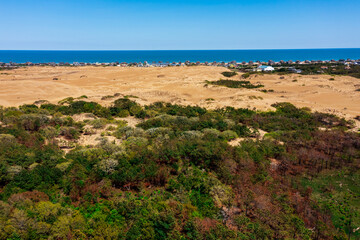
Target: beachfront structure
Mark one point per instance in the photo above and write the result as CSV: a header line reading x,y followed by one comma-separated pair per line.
x,y
294,70
264,68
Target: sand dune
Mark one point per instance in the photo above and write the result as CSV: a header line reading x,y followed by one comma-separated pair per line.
x,y
182,85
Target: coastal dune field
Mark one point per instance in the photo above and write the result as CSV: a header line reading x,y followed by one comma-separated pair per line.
x,y
180,85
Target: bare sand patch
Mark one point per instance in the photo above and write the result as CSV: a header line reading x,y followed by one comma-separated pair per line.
x,y
181,85
131,121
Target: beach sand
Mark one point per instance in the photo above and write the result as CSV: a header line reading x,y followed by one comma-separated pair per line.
x,y
180,85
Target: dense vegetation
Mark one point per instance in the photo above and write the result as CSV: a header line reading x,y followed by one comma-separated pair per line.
x,y
234,84
175,175
331,69
310,69
229,74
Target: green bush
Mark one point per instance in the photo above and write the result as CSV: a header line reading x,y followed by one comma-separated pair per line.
x,y
229,135
33,122
175,176
98,123
235,84
70,133
229,74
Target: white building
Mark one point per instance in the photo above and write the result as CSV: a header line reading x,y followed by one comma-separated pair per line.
x,y
264,68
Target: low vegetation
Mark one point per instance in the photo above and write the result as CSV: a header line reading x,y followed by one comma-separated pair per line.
x,y
267,90
175,175
229,74
330,69
235,84
334,69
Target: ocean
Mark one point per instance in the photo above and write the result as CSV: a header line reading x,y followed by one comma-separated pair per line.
x,y
22,56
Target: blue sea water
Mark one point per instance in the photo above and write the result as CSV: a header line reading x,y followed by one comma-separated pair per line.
x,y
22,56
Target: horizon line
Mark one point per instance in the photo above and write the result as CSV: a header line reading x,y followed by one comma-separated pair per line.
x,y
249,49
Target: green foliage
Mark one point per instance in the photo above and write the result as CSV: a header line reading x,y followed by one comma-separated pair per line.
x,y
315,68
229,74
175,175
229,135
338,193
98,123
178,110
235,84
246,75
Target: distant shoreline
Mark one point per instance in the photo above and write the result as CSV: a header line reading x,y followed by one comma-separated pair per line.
x,y
164,56
232,64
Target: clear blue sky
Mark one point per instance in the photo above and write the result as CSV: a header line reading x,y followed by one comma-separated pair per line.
x,y
178,24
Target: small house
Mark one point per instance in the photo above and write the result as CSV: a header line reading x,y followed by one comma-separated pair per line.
x,y
264,68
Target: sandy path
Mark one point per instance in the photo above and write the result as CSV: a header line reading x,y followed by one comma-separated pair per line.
x,y
182,85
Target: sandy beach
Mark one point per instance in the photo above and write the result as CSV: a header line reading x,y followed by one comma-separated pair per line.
x,y
181,85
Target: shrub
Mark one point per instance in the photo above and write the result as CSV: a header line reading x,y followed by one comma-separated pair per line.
x,y
141,114
124,103
120,132
134,110
266,91
221,194
134,132
210,133
123,113
112,128
228,135
229,74
132,142
67,100
130,96
107,97
7,140
108,165
49,106
14,170
87,107
241,130
70,133
191,135
33,122
235,84
29,108
245,75
98,123
49,132
154,132
123,107
64,166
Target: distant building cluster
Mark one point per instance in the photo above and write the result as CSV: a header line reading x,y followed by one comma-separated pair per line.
x,y
255,66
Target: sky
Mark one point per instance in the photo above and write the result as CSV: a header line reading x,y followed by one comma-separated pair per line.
x,y
178,24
